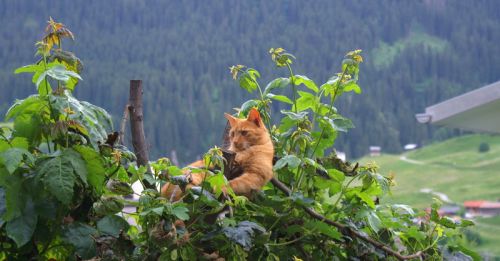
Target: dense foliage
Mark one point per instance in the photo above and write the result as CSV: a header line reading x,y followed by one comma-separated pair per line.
x,y
416,53
62,180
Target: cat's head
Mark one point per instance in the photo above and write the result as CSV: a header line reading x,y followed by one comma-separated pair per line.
x,y
248,132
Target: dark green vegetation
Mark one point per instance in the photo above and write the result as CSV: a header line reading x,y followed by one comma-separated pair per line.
x,y
454,167
416,53
62,181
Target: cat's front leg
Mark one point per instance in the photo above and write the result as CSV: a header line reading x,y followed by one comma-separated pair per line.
x,y
247,183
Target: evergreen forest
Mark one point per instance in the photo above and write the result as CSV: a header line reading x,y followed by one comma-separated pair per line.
x,y
416,53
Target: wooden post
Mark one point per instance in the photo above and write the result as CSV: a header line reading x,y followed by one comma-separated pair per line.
x,y
137,126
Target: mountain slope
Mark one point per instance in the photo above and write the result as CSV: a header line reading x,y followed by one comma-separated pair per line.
x,y
416,53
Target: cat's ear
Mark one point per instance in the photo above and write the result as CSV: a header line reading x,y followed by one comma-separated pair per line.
x,y
254,116
231,119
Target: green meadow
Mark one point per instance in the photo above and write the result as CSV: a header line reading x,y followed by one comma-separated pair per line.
x,y
455,168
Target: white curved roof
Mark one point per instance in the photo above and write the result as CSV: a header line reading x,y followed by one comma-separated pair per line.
x,y
477,110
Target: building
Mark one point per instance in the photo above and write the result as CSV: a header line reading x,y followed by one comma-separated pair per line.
x,y
482,208
375,151
477,110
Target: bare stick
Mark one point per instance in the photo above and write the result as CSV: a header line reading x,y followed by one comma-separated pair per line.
x,y
123,123
137,127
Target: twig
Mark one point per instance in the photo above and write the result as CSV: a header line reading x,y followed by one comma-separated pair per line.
x,y
123,123
345,229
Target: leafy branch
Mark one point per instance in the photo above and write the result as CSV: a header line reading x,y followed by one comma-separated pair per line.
x,y
345,229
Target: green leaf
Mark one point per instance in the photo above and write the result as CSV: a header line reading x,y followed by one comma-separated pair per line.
x,y
436,203
29,127
77,163
27,115
181,212
306,101
466,223
158,210
300,79
293,229
119,187
321,183
415,233
447,222
366,198
14,195
374,221
98,115
295,116
108,205
31,68
340,123
276,83
246,106
57,72
57,175
95,120
217,182
300,199
20,142
4,145
434,215
3,205
81,237
328,136
243,233
330,87
44,88
403,209
29,105
336,175
323,228
291,160
253,73
352,86
314,164
20,229
248,80
112,225
473,254
96,172
13,157
280,98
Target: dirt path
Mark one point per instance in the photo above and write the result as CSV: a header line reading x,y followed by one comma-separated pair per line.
x,y
416,162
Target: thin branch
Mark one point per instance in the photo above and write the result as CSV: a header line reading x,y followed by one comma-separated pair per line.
x,y
123,124
345,229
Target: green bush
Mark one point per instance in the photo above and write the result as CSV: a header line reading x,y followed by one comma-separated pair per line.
x,y
62,181
484,147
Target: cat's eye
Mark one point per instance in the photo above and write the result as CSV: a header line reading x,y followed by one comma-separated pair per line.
x,y
243,133
231,134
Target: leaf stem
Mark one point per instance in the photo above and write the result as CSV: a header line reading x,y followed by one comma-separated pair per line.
x,y
329,112
51,110
292,78
342,191
287,242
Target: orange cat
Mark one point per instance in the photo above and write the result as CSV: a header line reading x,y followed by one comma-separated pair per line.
x,y
254,150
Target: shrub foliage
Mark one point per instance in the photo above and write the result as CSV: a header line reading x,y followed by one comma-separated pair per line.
x,y
63,180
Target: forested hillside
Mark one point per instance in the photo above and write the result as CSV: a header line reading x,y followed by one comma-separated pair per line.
x,y
416,53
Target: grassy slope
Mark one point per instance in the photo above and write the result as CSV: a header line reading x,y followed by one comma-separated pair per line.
x,y
455,168
385,54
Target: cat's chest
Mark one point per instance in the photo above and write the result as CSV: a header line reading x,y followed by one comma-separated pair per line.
x,y
244,158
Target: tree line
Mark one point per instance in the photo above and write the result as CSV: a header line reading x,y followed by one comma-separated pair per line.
x,y
415,54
